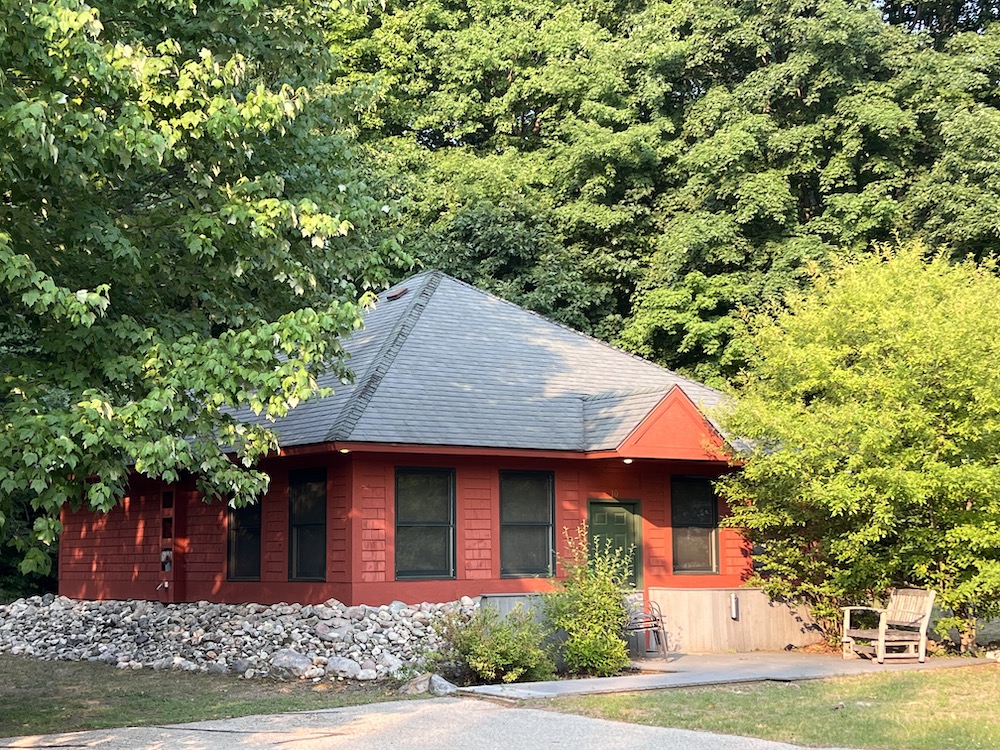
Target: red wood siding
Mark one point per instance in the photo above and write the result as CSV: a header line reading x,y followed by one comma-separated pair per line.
x,y
117,555
372,490
674,430
338,552
476,547
114,555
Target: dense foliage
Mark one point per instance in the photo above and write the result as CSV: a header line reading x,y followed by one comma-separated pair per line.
x,y
871,407
489,648
586,607
643,170
184,230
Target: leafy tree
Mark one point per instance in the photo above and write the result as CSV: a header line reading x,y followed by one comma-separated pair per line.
x,y
871,415
184,230
940,19
15,539
657,166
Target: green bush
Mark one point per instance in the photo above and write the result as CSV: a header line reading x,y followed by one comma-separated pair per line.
x,y
587,606
489,648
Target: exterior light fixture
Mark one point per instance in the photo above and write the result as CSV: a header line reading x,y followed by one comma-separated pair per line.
x,y
345,450
627,461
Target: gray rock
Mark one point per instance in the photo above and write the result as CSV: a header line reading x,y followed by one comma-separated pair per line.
x,y
329,632
241,665
343,667
289,663
244,638
417,686
440,686
391,664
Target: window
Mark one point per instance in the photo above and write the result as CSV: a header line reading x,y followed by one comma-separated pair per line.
x,y
694,519
425,523
307,525
526,508
244,543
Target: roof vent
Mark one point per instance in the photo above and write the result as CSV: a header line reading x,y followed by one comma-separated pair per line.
x,y
398,293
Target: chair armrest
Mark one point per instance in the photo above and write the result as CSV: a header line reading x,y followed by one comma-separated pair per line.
x,y
848,610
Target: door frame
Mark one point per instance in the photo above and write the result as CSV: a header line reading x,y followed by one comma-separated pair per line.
x,y
634,506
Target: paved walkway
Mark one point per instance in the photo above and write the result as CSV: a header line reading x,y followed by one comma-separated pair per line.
x,y
437,724
450,723
689,670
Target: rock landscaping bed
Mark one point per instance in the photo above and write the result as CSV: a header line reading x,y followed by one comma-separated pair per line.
x,y
329,641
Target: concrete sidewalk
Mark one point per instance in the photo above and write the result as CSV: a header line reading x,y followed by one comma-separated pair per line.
x,y
690,670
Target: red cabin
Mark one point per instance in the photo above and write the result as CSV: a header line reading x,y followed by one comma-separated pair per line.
x,y
474,435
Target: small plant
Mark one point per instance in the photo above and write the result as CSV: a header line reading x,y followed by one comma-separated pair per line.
x,y
587,605
489,648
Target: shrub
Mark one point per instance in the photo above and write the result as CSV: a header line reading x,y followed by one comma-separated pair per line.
x,y
489,648
587,606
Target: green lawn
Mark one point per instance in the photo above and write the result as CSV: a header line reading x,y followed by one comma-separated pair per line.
x,y
947,709
39,697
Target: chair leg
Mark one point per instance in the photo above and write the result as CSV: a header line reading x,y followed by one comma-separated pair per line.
x,y
661,640
880,651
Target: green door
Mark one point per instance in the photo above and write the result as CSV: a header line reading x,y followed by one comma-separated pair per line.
x,y
619,522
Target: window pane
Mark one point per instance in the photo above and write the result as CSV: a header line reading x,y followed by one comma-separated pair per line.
x,y
423,550
309,551
244,554
693,502
694,549
307,524
247,517
526,508
307,501
525,497
423,496
244,543
524,550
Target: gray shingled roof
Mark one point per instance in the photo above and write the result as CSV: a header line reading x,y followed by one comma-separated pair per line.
x,y
447,364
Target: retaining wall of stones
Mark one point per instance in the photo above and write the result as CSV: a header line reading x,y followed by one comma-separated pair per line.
x,y
309,641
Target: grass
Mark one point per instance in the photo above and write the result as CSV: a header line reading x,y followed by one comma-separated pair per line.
x,y
947,709
42,697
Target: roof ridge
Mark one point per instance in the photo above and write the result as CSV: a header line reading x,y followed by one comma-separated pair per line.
x,y
569,329
382,362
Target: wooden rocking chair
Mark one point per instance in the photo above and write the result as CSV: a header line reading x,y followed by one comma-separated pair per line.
x,y
903,623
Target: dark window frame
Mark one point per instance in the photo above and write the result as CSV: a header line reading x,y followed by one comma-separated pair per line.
x,y
448,572
235,525
508,571
298,477
713,536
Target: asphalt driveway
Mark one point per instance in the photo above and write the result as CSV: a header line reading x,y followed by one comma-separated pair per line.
x,y
411,725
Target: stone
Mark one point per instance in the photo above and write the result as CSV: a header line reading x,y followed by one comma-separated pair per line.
x,y
391,664
241,665
290,663
417,686
438,685
343,667
329,632
356,613
245,639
